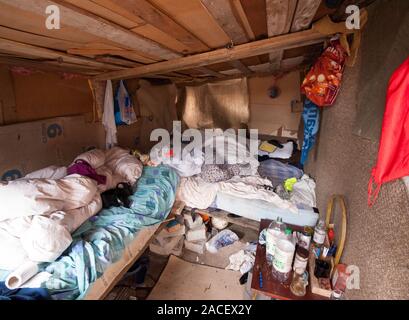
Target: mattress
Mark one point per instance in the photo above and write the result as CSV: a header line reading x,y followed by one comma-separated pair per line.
x,y
255,209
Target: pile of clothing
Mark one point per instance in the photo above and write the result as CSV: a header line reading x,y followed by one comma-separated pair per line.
x,y
231,170
40,211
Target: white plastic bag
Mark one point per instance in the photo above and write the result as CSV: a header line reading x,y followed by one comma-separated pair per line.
x,y
222,239
128,115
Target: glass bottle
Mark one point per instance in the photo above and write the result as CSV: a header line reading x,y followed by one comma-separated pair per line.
x,y
299,283
319,234
275,230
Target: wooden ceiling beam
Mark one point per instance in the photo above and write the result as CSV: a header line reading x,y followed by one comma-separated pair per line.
x,y
117,61
128,54
223,13
237,64
207,71
87,22
255,48
26,49
47,65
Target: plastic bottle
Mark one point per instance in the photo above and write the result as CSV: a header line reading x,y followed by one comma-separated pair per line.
x,y
319,234
275,230
283,257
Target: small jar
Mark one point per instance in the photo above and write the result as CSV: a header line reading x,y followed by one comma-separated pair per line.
x,y
301,259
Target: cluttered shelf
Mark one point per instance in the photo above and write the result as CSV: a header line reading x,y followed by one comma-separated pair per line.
x,y
263,281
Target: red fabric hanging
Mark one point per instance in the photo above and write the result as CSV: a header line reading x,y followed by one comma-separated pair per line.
x,y
393,154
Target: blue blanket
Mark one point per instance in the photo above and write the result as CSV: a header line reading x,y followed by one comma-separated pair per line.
x,y
101,240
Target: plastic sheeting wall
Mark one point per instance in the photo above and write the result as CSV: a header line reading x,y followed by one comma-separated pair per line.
x,y
222,104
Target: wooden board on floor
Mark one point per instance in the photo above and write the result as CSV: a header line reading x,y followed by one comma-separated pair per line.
x,y
183,280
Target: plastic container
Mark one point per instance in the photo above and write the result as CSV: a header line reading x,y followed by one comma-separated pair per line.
x,y
275,230
283,257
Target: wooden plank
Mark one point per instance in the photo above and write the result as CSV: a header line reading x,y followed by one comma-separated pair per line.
x,y
115,52
115,272
221,55
223,13
34,24
256,14
241,67
116,61
193,16
47,65
21,48
279,18
304,14
104,13
112,6
243,19
92,24
210,72
161,37
36,40
160,20
244,222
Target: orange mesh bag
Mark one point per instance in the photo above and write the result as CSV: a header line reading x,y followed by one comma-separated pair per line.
x,y
323,81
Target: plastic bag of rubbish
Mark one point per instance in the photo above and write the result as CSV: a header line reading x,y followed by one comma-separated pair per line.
x,y
222,239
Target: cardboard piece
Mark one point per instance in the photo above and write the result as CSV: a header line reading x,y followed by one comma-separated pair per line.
x,y
34,145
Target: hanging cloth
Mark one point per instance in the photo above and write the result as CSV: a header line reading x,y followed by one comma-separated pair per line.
x,y
393,154
108,118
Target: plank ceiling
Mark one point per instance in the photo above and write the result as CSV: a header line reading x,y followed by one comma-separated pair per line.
x,y
100,36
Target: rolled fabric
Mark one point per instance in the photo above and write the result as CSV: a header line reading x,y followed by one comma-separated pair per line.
x,y
21,275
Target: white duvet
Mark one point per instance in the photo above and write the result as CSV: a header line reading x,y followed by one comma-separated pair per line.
x,y
197,193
